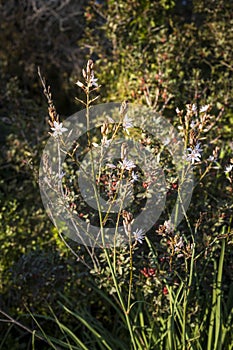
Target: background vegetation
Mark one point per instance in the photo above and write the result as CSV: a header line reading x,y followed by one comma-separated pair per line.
x,y
165,54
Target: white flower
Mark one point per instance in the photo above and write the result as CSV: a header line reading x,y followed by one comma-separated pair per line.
x,y
228,168
134,177
192,124
179,245
127,164
111,166
169,226
194,108
211,158
167,141
58,129
93,81
198,147
194,155
138,235
106,143
127,123
204,109
177,110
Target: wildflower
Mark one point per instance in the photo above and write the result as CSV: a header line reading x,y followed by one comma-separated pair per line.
x,y
194,108
192,124
61,175
228,169
198,147
179,244
111,166
169,226
134,177
106,143
138,235
167,141
127,123
204,109
195,155
93,81
127,164
58,129
211,158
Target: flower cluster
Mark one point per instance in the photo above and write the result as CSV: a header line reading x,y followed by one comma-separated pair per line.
x,y
89,77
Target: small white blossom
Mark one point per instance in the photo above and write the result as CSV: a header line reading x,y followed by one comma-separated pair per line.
x,y
134,177
211,158
194,108
179,245
194,155
177,110
106,143
167,141
61,175
111,166
198,147
93,81
204,109
138,235
58,129
192,124
127,123
228,168
169,226
127,164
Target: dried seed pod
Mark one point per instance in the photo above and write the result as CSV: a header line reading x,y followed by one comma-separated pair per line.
x,y
124,150
124,108
192,137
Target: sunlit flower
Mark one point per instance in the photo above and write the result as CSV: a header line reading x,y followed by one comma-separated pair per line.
x,y
179,244
198,147
127,164
127,123
106,143
111,166
169,226
228,168
204,109
211,158
194,155
194,108
93,81
135,177
61,175
58,129
192,124
138,235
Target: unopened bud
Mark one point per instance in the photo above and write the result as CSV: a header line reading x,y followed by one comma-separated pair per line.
x,y
124,150
80,84
84,74
90,66
104,129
